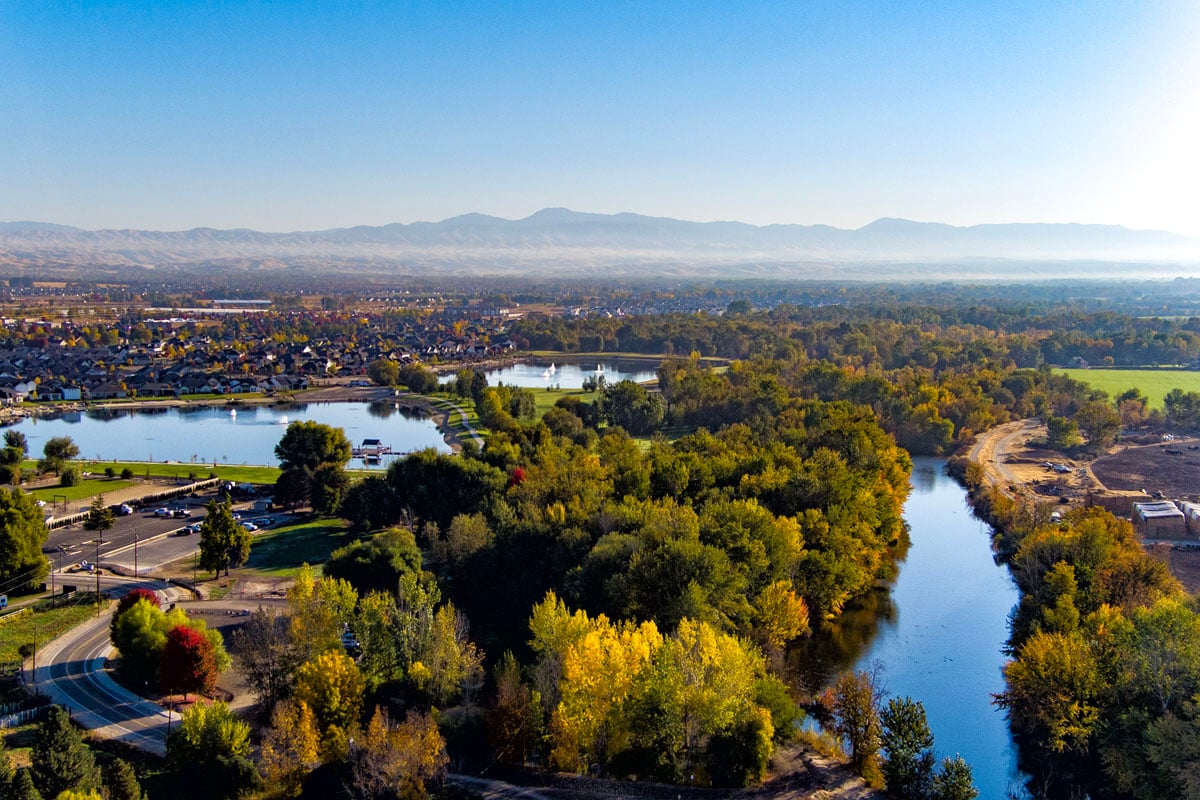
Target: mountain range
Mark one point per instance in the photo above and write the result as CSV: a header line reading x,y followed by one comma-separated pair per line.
x,y
555,239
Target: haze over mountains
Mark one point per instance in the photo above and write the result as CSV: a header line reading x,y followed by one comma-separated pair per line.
x,y
558,242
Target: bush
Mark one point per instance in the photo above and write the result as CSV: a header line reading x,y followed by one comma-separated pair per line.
x,y
70,477
109,472
126,474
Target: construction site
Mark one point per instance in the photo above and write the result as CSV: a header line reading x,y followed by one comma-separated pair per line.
x,y
1153,480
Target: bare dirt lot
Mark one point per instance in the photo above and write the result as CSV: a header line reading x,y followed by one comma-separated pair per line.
x,y
1013,460
1172,468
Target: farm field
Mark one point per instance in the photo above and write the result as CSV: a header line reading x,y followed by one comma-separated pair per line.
x,y
1154,383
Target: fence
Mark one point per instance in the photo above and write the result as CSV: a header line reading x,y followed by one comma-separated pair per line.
x,y
165,494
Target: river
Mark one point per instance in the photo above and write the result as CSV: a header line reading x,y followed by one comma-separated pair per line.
x,y
937,635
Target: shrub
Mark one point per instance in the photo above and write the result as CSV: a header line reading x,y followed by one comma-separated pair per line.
x,y
70,477
127,473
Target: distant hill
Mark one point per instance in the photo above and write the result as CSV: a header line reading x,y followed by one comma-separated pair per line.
x,y
628,244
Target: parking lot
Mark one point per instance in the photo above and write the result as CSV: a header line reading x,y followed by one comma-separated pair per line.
x,y
145,539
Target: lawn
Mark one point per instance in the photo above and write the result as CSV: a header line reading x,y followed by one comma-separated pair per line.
x,y
546,398
85,488
158,469
20,627
279,553
1154,383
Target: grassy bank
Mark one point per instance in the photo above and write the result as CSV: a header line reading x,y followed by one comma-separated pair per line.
x,y
42,622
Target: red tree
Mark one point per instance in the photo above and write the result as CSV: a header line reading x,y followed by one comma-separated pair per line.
x,y
188,662
127,602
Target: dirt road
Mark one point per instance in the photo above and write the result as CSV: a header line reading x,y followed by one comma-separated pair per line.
x,y
993,446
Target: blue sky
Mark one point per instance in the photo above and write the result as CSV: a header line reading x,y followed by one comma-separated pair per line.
x,y
288,116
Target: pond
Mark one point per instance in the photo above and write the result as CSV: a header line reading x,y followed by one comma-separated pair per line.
x,y
540,374
246,434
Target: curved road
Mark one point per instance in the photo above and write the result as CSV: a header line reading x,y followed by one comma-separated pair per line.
x,y
71,672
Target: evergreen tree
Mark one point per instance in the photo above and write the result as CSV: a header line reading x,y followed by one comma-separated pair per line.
x,y
22,786
121,783
954,781
908,743
61,760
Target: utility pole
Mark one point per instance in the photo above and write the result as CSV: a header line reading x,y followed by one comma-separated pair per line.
x,y
135,564
96,569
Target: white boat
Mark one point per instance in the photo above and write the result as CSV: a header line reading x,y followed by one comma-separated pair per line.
x,y
546,374
233,412
281,421
553,369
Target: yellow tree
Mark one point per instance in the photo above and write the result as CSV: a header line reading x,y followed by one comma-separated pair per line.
x,y
320,607
290,747
400,759
332,686
781,615
598,673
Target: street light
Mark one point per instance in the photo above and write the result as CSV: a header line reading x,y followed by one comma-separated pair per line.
x,y
135,564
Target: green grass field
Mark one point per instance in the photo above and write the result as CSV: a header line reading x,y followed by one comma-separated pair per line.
x,y
85,488
47,623
280,553
154,469
1154,383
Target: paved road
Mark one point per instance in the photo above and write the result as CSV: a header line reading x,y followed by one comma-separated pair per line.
x,y
71,671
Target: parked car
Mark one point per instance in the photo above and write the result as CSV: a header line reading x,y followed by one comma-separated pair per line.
x,y
264,522
124,510
250,526
181,513
162,512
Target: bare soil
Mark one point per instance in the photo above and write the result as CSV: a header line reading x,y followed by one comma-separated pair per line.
x,y
1172,468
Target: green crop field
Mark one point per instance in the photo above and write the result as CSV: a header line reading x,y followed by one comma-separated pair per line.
x,y
1154,383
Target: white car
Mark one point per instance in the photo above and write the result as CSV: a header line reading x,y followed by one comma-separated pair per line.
x,y
250,526
162,512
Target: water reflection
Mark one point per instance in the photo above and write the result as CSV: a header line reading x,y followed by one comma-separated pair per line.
x,y
231,434
939,632
837,647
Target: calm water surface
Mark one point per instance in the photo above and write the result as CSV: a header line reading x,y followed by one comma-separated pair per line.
x,y
207,434
567,376
941,641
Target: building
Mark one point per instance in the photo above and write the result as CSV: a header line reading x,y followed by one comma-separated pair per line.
x,y
1159,520
1191,518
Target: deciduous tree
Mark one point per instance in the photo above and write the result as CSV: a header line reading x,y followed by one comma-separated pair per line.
x,y
856,719
224,543
22,535
209,752
188,662
290,748
267,655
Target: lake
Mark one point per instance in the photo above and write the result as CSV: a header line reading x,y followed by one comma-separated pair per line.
x,y
537,375
207,434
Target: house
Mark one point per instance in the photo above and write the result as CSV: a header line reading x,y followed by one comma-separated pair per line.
x,y
1191,519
